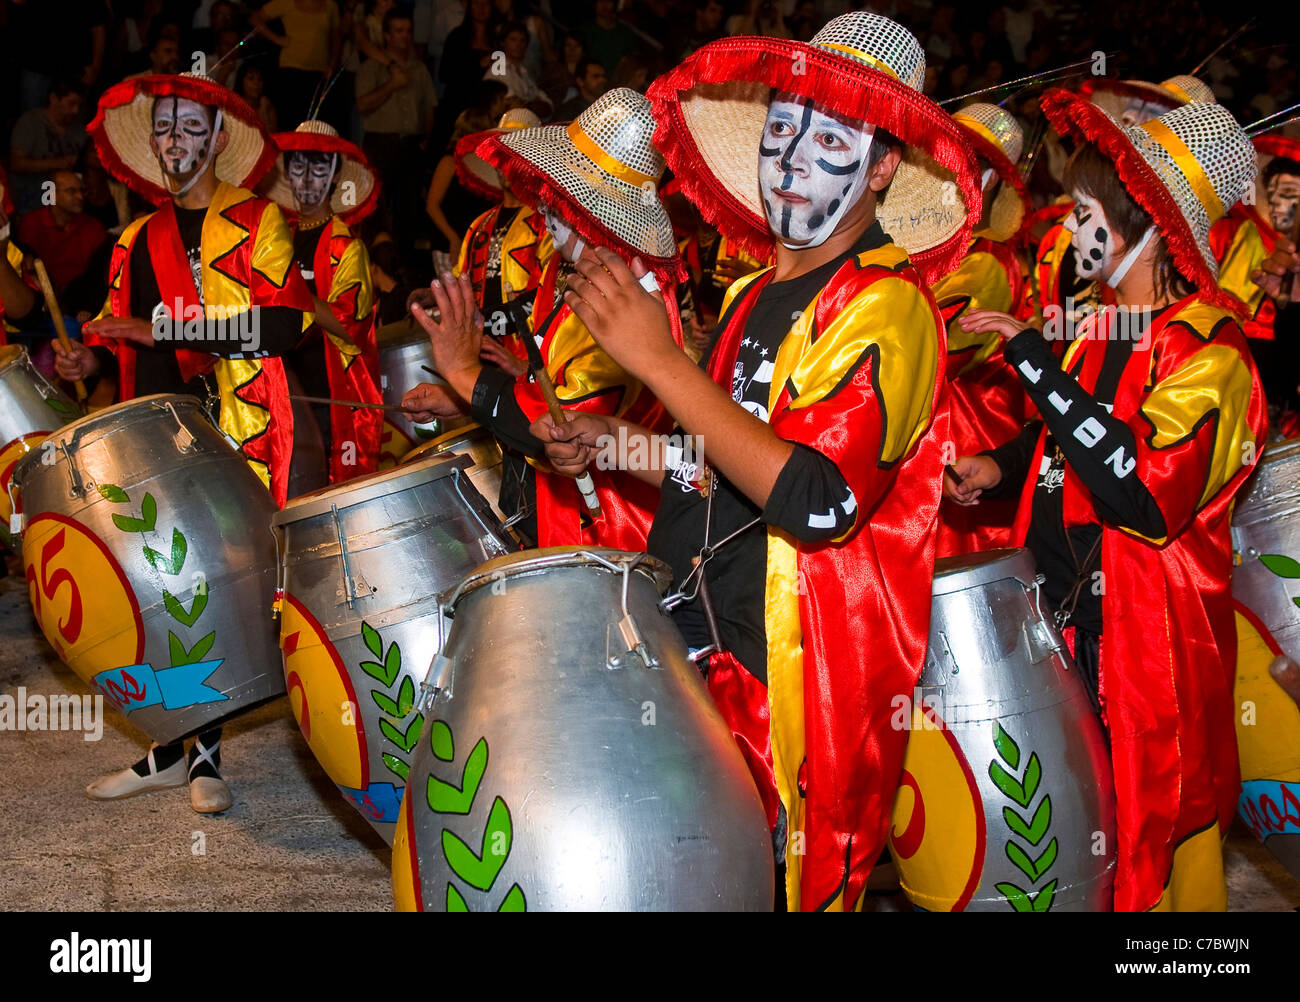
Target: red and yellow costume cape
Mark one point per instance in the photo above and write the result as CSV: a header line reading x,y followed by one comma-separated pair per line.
x,y
341,275
987,404
525,249
859,377
15,258
587,379
1192,396
248,261
1239,242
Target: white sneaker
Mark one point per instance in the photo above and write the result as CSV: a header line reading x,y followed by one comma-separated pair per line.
x,y
209,795
128,782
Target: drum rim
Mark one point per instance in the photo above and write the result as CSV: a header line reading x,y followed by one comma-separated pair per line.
x,y
416,336
545,558
437,446
20,353
1004,563
368,488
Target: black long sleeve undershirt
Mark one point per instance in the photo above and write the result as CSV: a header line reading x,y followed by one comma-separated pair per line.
x,y
1100,448
493,405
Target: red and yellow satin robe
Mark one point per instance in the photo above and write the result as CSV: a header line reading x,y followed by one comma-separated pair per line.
x,y
587,379
525,249
15,258
1240,241
247,260
341,276
1192,396
987,404
860,378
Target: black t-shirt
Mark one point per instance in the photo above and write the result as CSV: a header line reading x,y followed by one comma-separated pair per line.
x,y
809,482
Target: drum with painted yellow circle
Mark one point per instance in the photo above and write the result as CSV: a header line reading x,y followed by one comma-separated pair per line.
x,y
30,408
1266,594
1007,798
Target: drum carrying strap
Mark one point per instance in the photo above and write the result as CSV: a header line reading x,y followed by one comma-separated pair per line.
x,y
1081,578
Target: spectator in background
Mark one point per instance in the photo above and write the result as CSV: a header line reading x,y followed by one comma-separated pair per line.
x,y
60,39
541,45
63,235
221,69
592,82
510,69
250,84
607,38
164,52
707,25
368,32
560,80
942,43
466,56
106,197
44,140
222,16
805,20
634,72
656,19
1019,20
309,49
762,17
138,26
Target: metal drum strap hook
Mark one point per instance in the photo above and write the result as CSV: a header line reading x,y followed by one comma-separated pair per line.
x,y
349,592
78,489
184,438
488,540
635,643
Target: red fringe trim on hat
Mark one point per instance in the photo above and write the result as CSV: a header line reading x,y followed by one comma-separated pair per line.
x,y
843,85
1110,85
203,91
532,186
314,142
1070,113
468,179
1274,145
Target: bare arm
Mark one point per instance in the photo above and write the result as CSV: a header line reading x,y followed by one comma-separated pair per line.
x,y
433,204
368,102
18,297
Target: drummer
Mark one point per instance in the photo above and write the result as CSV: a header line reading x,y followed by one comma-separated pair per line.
x,y
1151,424
325,186
212,249
594,183
809,426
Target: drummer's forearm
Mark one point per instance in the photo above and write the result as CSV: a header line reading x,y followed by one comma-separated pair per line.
x,y
493,405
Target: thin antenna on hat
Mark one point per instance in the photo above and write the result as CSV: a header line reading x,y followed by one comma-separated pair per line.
x,y
238,45
318,101
1221,46
1033,147
1266,124
1020,83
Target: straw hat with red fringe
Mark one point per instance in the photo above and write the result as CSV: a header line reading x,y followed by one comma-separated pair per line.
x,y
1275,145
600,174
356,186
477,174
124,123
1186,168
998,138
711,111
1168,94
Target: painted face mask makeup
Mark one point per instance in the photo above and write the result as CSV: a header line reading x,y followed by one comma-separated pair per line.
x,y
183,139
560,233
1139,111
310,177
1283,195
1093,242
811,169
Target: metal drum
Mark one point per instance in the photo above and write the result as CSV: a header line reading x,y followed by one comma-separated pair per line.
x,y
404,350
1007,798
30,408
361,566
1266,590
484,451
572,759
150,563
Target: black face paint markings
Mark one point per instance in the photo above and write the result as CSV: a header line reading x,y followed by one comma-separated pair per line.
x,y
1101,234
845,170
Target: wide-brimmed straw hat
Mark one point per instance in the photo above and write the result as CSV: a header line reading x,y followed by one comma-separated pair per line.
x,y
124,123
600,174
477,174
712,108
1186,168
1114,94
998,138
356,186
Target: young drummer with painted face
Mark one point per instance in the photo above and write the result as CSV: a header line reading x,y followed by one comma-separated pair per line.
x,y
219,260
819,408
593,182
325,186
1151,423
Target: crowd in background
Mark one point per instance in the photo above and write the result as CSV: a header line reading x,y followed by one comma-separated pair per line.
x,y
407,80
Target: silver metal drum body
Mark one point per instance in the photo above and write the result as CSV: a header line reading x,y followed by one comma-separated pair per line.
x,y
559,771
1266,587
30,408
152,563
401,358
362,565
484,452
1001,696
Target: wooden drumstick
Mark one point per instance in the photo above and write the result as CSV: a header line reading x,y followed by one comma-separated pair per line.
x,y
56,314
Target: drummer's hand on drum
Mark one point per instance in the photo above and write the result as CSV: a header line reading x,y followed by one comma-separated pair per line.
x,y
630,323
124,329
432,400
457,335
977,473
571,448
500,356
75,361
979,321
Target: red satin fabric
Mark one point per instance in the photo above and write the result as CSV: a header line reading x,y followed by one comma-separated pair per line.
x,y
1169,651
1260,325
742,701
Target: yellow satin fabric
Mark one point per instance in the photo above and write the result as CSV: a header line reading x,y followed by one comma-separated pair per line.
x,y
1197,882
1242,259
352,270
980,280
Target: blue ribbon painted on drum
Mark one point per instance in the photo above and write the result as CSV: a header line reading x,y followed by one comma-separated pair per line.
x,y
378,801
1270,807
134,687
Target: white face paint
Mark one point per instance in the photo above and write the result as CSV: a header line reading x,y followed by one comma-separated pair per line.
x,y
560,234
310,176
1139,111
1283,194
182,136
1092,240
811,169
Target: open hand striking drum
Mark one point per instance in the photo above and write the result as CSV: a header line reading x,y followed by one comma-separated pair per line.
x,y
404,351
572,758
151,564
1007,799
30,408
484,452
362,564
1266,590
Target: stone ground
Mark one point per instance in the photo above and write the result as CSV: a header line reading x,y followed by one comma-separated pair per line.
x,y
289,843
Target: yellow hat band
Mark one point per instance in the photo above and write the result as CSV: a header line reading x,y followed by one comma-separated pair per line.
x,y
1188,164
981,130
865,57
588,148
1177,92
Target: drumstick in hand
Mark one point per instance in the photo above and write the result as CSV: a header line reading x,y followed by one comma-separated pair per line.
x,y
56,314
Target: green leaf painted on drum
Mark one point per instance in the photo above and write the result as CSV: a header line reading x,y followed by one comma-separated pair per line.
x,y
376,671
384,702
1022,901
1032,867
1021,789
514,901
396,766
393,662
1282,566
479,869
405,741
1031,831
405,697
370,636
111,492
1007,748
445,798
181,656
455,903
171,566
440,741
59,407
182,615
